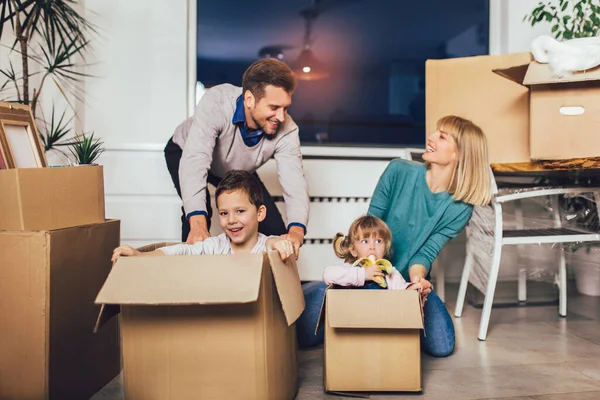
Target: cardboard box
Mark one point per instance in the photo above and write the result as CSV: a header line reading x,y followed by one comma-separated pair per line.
x,y
206,327
468,87
49,280
372,340
51,198
564,112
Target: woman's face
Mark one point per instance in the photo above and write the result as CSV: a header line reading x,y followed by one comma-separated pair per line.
x,y
441,149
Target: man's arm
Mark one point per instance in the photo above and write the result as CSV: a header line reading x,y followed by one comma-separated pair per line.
x,y
295,191
206,125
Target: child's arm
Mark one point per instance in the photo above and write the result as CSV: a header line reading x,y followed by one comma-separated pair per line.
x,y
396,281
347,275
128,251
284,247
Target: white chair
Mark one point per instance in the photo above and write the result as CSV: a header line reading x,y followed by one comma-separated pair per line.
x,y
502,237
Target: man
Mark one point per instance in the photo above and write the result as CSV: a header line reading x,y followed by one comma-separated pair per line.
x,y
241,128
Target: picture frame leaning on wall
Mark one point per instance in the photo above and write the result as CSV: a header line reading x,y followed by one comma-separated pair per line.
x,y
20,144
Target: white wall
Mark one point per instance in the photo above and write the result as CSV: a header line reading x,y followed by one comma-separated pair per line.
x,y
508,32
142,89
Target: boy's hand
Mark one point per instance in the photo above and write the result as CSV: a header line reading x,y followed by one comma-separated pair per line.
x,y
124,251
372,272
296,236
284,247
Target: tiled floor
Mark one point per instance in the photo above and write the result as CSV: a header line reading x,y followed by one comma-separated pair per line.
x,y
530,354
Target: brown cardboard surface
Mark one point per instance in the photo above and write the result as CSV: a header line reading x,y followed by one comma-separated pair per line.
x,y
555,136
346,309
183,280
468,87
24,310
359,358
51,198
539,74
215,343
286,278
46,298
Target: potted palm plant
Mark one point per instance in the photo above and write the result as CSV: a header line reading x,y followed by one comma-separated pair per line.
x,y
51,39
86,149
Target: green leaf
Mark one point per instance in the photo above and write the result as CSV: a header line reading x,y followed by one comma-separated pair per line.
x,y
568,35
564,7
554,28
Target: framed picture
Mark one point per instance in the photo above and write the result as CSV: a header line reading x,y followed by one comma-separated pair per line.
x,y
20,145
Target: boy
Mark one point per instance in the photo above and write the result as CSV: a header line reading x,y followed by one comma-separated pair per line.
x,y
240,203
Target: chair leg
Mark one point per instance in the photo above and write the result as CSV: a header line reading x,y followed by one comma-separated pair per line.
x,y
490,290
522,270
562,285
440,287
464,282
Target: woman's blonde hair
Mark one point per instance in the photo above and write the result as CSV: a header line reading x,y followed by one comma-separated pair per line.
x,y
363,227
471,181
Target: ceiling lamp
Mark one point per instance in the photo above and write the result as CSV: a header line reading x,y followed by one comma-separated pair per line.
x,y
307,67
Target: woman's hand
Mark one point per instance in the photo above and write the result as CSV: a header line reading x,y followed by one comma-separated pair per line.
x,y
124,251
425,285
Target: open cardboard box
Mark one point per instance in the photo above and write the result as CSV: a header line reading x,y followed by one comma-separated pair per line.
x,y
210,327
49,280
372,340
564,111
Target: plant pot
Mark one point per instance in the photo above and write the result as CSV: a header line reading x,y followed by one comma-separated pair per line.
x,y
56,158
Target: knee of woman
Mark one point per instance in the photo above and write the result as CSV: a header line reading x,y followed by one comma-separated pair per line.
x,y
439,348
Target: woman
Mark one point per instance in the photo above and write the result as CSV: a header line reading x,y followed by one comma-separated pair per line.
x,y
425,206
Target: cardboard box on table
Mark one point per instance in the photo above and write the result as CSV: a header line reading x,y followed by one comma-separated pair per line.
x,y
372,340
51,198
49,280
564,112
206,327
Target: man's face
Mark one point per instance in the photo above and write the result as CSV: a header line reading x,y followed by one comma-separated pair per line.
x,y
270,111
239,218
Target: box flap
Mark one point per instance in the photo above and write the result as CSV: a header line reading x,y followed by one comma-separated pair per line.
x,y
515,74
542,74
181,280
289,288
387,309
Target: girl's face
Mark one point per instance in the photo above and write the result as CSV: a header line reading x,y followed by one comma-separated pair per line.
x,y
368,246
441,149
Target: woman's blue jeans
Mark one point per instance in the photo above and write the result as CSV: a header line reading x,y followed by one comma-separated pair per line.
x,y
437,339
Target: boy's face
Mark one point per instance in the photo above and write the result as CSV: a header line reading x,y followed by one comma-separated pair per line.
x,y
238,217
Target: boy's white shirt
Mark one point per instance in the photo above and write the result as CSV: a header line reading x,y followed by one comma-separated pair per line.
x,y
213,245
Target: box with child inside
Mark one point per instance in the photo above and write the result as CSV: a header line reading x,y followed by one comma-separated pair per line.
x,y
372,337
193,325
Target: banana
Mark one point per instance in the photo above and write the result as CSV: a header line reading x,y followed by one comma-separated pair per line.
x,y
384,265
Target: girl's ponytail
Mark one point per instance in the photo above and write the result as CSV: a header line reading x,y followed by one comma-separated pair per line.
x,y
341,246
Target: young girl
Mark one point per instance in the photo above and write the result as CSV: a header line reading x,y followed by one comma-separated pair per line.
x,y
369,238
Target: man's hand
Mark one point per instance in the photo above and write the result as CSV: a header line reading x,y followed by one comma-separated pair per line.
x,y
198,229
296,236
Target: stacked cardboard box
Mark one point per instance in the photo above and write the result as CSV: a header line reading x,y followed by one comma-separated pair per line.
x,y
526,112
55,248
